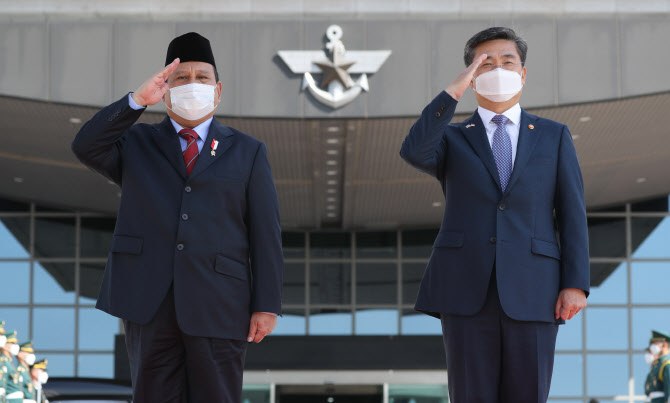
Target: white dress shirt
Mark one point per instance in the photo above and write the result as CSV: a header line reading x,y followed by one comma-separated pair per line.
x,y
512,126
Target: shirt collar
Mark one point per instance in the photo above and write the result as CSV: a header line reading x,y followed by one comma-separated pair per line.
x,y
202,129
513,114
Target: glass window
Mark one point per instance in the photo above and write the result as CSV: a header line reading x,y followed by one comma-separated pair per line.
x,y
418,394
568,375
256,394
59,364
15,278
330,245
54,283
97,330
376,245
376,283
376,321
606,328
330,322
609,283
418,243
330,283
607,374
649,282
14,237
16,319
95,365
644,321
294,283
90,278
293,244
651,237
54,237
640,371
13,206
96,236
658,205
53,328
570,334
412,273
292,323
416,323
607,236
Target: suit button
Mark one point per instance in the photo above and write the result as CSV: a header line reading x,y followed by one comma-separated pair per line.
x,y
180,246
184,217
437,114
493,239
501,207
187,189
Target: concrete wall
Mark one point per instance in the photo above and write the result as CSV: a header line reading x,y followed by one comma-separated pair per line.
x,y
95,60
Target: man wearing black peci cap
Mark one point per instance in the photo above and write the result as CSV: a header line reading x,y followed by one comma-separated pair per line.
x,y
195,264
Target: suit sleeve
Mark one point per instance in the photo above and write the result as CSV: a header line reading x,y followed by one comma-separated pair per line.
x,y
571,218
424,148
99,143
266,256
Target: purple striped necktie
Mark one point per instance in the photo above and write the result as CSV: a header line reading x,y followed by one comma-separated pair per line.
x,y
191,151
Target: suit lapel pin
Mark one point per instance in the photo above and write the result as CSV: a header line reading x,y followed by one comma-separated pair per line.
x,y
470,125
531,127
215,145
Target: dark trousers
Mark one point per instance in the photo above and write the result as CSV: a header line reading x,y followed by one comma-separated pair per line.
x,y
492,358
169,366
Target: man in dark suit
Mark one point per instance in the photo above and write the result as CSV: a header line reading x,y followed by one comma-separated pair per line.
x,y
195,266
499,277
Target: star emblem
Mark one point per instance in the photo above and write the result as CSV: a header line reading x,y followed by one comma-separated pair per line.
x,y
336,69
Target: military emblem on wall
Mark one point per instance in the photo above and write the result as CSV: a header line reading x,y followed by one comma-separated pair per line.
x,y
341,75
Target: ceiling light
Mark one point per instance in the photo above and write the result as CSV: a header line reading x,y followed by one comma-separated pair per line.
x,y
575,136
437,204
331,162
331,215
118,194
18,180
330,207
331,199
75,121
331,191
641,180
331,173
333,129
332,182
331,152
585,119
333,141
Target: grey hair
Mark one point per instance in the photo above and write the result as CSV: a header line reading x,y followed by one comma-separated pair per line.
x,y
490,34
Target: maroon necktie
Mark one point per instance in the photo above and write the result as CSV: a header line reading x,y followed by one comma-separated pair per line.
x,y
191,151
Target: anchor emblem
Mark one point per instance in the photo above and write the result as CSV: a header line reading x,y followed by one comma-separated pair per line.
x,y
336,88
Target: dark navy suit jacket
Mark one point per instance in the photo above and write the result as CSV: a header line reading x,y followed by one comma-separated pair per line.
x,y
535,232
214,235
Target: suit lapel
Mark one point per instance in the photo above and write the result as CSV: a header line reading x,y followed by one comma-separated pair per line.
x,y
527,140
168,142
217,132
474,131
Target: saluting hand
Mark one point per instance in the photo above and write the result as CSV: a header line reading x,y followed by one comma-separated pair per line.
x,y
261,325
570,302
151,91
457,88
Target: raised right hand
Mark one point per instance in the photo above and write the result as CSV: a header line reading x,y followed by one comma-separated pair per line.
x,y
462,82
151,91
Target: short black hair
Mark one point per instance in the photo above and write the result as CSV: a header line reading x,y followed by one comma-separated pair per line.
x,y
490,34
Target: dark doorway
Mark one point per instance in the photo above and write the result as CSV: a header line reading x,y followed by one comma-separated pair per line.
x,y
330,394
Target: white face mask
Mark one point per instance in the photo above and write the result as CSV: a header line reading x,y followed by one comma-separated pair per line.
x,y
14,349
649,358
3,341
498,85
30,359
193,101
43,377
655,349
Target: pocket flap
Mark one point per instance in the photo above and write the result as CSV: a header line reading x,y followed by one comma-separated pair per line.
x,y
231,267
127,244
545,248
448,239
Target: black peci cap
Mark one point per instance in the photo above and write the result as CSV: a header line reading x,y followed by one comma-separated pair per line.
x,y
190,47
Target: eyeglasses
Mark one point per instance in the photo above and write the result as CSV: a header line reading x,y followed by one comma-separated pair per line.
x,y
488,66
